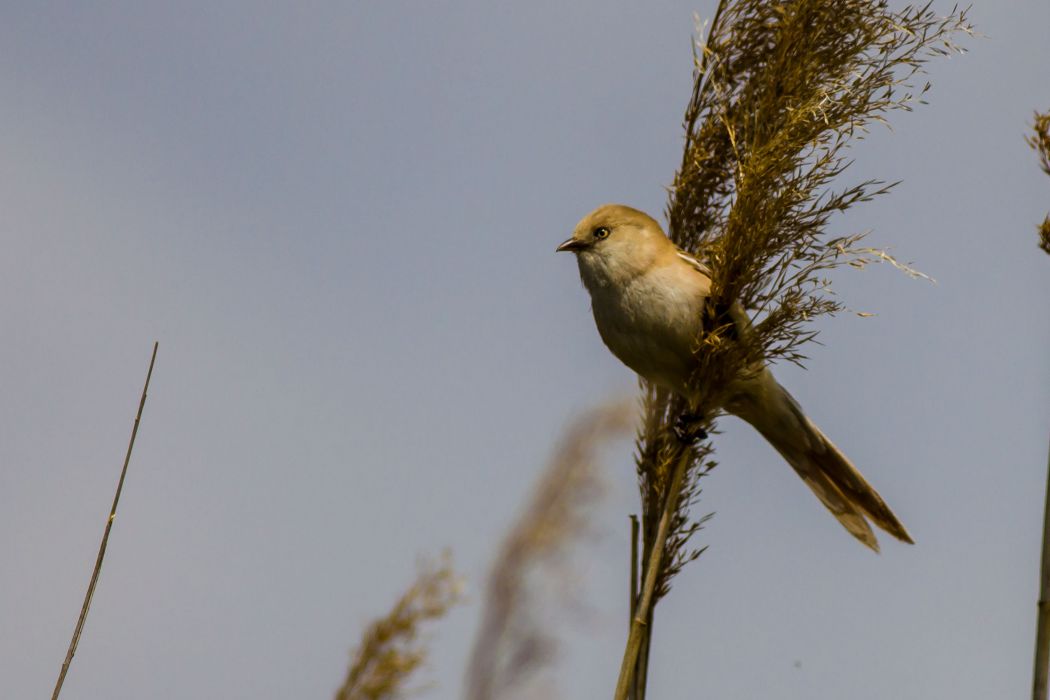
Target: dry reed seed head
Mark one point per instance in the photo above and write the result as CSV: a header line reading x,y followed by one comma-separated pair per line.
x,y
780,91
389,653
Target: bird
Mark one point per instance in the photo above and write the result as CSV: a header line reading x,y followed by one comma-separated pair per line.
x,y
648,297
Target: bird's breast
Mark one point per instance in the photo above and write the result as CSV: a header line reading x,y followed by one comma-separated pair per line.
x,y
651,325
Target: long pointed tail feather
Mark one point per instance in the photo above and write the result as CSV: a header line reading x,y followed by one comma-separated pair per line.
x,y
835,501
831,476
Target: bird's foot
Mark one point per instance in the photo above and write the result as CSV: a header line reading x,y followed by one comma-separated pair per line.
x,y
687,429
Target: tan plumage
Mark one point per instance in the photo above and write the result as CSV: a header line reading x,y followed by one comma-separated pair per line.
x,y
647,297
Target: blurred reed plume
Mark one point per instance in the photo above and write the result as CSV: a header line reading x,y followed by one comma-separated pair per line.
x,y
780,90
1040,141
512,644
390,651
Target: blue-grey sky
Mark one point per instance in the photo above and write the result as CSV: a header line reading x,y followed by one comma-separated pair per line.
x,y
338,219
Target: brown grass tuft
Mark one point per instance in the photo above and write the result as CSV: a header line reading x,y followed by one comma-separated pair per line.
x,y
390,651
1040,141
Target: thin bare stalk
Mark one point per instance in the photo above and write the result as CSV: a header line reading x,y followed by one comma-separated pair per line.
x,y
105,535
1042,632
1040,142
634,567
634,590
652,570
641,679
641,666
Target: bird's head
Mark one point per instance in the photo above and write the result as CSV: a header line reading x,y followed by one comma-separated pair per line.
x,y
615,243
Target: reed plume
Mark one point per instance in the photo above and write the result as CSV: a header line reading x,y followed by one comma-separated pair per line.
x,y
780,91
390,650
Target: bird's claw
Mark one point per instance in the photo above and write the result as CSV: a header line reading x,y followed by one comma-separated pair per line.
x,y
688,429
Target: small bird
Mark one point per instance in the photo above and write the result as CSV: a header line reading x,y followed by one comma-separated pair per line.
x,y
648,296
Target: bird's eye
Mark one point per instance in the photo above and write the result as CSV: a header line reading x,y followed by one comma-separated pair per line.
x,y
601,232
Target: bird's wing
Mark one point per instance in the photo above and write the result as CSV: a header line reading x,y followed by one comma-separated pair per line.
x,y
697,264
741,321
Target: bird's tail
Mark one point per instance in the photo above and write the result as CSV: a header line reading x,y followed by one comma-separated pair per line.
x,y
840,487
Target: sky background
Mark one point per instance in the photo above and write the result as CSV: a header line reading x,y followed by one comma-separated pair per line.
x,y
339,220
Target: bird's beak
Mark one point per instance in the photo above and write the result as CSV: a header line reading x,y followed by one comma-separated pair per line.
x,y
571,245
